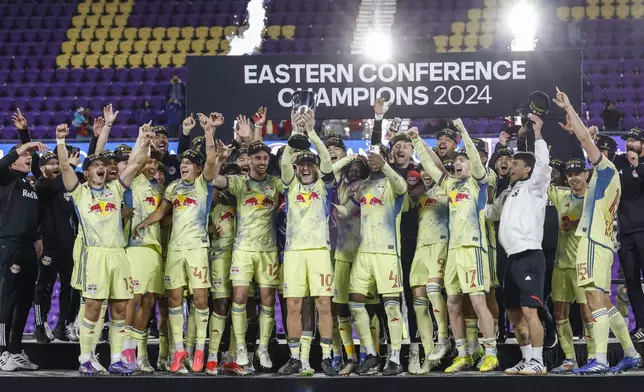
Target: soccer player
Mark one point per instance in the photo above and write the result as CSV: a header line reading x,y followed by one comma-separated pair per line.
x,y
596,247
106,270
569,202
446,143
255,250
307,258
187,261
467,269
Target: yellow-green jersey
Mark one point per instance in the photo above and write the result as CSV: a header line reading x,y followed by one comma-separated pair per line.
x,y
224,219
190,209
569,208
491,230
307,215
380,211
467,199
600,205
146,196
257,204
433,217
341,197
99,214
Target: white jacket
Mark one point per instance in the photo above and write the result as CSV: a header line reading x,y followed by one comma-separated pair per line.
x,y
523,207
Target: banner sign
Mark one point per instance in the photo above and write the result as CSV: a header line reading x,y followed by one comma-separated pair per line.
x,y
481,84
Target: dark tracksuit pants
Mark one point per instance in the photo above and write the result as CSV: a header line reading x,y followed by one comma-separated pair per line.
x,y
631,257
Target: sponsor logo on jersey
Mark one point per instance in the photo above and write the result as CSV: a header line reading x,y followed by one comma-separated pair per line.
x,y
29,194
15,268
427,201
370,200
92,289
456,197
258,201
103,208
182,201
46,260
152,200
226,216
307,197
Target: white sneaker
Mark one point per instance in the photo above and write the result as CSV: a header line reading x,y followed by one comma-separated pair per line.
x,y
97,364
162,364
48,332
6,362
439,351
414,362
427,366
70,331
144,365
242,355
22,361
533,368
264,358
516,368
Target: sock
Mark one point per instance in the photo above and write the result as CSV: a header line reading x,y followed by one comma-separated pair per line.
x,y
472,333
142,346
129,340
87,332
374,324
537,354
564,331
327,345
424,321
414,347
440,309
266,324
137,337
294,345
238,316
346,333
461,347
620,330
163,346
99,325
201,321
305,348
395,323
217,326
232,345
601,328
191,330
490,346
337,340
526,352
81,311
590,340
175,321
117,338
362,324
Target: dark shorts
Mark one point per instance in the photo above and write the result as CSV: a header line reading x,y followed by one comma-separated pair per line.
x,y
523,281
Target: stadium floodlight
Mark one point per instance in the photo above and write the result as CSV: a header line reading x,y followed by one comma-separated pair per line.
x,y
522,19
248,42
377,46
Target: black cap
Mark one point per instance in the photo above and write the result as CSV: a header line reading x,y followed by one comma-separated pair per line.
x,y
46,157
505,152
462,153
122,153
634,133
258,146
197,143
557,164
575,165
156,155
306,156
333,139
400,137
96,157
230,168
452,134
448,164
107,154
160,129
192,155
480,145
384,151
607,143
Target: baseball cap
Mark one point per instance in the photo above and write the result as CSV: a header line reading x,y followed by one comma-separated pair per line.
x,y
197,143
452,134
607,143
462,153
306,156
94,158
480,145
634,133
400,137
122,153
160,129
575,165
192,155
448,164
258,146
46,157
505,152
230,168
107,154
156,155
333,139
558,164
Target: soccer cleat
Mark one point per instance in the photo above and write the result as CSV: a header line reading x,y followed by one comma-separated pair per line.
x,y
370,365
567,366
414,363
41,335
70,333
427,366
187,363
637,335
626,364
105,334
337,363
327,367
129,355
162,364
516,368
197,361
391,369
143,364
349,367
6,362
60,333
23,362
121,368
439,351
86,369
488,363
477,355
306,370
264,359
550,338
533,368
592,367
459,363
97,364
177,360
293,366
242,355
212,368
234,368
48,332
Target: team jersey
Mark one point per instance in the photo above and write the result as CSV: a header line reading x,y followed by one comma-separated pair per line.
x,y
467,199
569,209
489,225
190,209
433,217
307,213
146,198
257,203
99,213
348,229
223,217
600,205
380,210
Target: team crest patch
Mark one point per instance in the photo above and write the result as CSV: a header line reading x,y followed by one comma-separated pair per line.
x,y
217,283
135,284
92,289
46,260
108,193
15,268
67,196
167,279
172,170
285,287
234,270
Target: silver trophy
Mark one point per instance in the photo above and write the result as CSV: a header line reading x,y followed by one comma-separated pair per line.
x,y
303,101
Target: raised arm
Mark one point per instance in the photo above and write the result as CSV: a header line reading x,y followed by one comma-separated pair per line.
x,y
478,170
425,156
435,158
259,119
578,127
69,176
184,138
210,169
540,177
326,167
286,166
398,184
139,156
109,117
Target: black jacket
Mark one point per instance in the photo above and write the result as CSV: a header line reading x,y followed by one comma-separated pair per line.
x,y
58,220
19,215
630,212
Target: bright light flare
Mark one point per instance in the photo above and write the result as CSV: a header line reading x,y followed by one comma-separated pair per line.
x,y
522,20
248,42
377,46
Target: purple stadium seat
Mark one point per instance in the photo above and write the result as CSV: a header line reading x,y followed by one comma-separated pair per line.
x,y
151,74
629,95
62,75
121,75
106,74
132,89
92,74
117,131
127,103
11,90
19,61
56,89
61,117
101,89
117,89
45,118
76,75
70,89
97,103
66,104
147,88
50,103
17,75
5,103
137,74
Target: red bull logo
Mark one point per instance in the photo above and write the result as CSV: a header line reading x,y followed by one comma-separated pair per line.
x,y
300,198
307,197
151,200
314,196
268,202
183,201
251,201
226,216
102,207
259,201
457,197
427,201
370,200
374,201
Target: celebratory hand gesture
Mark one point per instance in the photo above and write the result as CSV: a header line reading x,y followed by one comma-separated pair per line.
x,y
188,124
376,161
19,120
33,147
74,159
243,127
381,107
99,123
145,130
216,119
633,158
109,115
537,124
567,126
412,133
260,117
504,138
561,99
221,152
62,131
458,123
